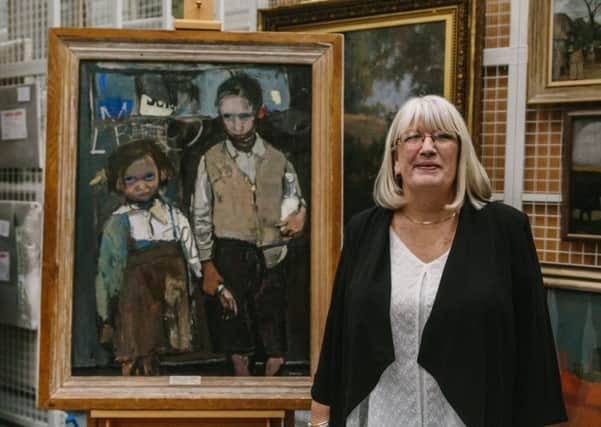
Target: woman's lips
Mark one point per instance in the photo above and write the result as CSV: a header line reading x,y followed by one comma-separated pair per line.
x,y
427,166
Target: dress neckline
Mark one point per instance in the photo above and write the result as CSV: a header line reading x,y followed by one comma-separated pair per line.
x,y
415,257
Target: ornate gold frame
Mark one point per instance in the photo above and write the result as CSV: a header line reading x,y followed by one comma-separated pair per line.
x,y
462,69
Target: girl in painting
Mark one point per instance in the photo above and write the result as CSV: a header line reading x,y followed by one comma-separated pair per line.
x,y
146,249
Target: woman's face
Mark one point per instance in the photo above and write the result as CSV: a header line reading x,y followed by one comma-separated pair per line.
x,y
426,161
140,180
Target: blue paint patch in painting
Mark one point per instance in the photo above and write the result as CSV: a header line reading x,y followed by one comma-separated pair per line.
x,y
115,94
142,244
102,83
113,108
112,85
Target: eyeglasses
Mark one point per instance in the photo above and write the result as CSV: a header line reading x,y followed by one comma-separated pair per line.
x,y
243,117
415,139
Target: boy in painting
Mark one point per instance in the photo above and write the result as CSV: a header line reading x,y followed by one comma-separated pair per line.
x,y
245,207
147,246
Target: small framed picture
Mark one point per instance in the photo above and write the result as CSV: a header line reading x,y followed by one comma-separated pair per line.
x,y
564,51
581,208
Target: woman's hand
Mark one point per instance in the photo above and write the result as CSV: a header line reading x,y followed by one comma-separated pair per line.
x,y
319,413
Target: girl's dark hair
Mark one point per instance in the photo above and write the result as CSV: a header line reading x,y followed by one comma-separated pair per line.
x,y
243,85
124,155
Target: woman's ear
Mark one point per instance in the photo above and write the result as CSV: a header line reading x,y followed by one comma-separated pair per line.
x,y
396,168
163,176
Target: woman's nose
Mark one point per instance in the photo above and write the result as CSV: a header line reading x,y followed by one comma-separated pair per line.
x,y
427,145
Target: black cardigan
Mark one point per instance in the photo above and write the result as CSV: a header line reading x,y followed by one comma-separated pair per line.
x,y
487,342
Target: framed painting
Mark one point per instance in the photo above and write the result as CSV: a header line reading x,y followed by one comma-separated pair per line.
x,y
577,278
392,50
581,207
192,218
564,51
574,303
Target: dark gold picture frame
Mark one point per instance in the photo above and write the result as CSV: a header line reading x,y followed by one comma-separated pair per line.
x,y
405,25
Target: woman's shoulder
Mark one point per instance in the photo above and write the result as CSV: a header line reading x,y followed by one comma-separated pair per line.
x,y
501,213
372,215
368,224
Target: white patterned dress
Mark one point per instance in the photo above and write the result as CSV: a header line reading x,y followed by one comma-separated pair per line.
x,y
406,394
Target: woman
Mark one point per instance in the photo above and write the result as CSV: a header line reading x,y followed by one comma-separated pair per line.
x,y
438,315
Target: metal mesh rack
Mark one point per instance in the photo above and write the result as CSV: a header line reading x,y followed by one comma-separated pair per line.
x,y
23,51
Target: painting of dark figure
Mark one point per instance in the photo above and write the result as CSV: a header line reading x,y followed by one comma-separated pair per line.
x,y
192,209
247,204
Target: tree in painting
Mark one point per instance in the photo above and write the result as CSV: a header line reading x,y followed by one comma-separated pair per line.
x,y
383,68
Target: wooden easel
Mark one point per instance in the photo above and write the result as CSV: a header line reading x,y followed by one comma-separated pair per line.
x,y
198,15
169,418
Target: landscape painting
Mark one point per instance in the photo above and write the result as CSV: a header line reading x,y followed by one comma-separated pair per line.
x,y
383,68
393,50
576,47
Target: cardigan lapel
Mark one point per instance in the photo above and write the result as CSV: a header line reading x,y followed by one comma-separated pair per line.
x,y
443,344
371,285
379,270
381,288
454,269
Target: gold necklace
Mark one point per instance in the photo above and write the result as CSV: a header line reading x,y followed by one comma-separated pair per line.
x,y
436,221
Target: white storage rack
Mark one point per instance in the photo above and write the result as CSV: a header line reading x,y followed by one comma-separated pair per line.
x,y
23,50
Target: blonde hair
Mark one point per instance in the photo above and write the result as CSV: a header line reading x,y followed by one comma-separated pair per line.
x,y
434,113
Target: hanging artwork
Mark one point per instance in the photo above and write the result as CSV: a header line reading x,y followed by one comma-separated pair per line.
x,y
581,209
393,50
564,46
576,318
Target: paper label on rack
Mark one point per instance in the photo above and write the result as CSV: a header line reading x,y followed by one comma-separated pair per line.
x,y
23,94
13,124
4,228
4,266
185,380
